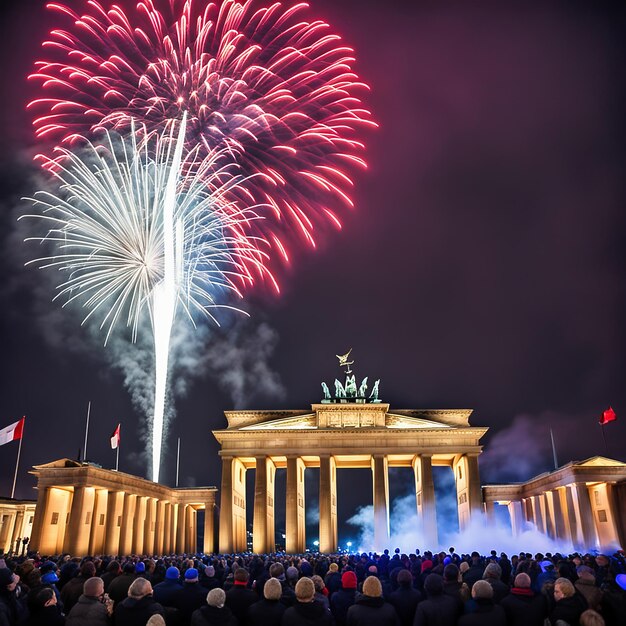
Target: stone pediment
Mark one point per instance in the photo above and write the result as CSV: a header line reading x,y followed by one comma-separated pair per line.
x,y
601,461
286,423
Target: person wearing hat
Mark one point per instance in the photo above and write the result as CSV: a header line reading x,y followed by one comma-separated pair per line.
x,y
214,612
113,570
44,610
138,607
239,598
475,571
486,613
92,608
269,610
305,611
288,596
73,589
522,606
209,579
118,589
342,600
405,598
438,609
586,585
492,575
370,609
164,592
332,580
190,597
12,608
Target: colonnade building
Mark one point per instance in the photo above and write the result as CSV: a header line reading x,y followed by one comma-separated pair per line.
x,y
339,435
84,509
16,522
581,504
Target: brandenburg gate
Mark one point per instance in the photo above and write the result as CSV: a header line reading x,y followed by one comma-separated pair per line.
x,y
345,432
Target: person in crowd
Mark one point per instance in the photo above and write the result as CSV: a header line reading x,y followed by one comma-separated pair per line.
x,y
591,618
320,588
343,599
215,612
438,609
73,589
475,570
209,580
453,585
486,612
138,607
92,608
405,598
45,610
118,588
113,570
370,609
190,597
568,604
492,575
332,579
239,598
586,585
305,611
288,596
164,592
522,606
269,610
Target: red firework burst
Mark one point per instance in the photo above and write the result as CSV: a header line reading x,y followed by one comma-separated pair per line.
x,y
277,90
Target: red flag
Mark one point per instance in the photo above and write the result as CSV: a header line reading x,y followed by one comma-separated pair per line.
x,y
12,432
115,438
608,416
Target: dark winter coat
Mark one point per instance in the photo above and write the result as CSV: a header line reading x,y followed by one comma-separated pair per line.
x,y
47,616
164,592
523,607
368,611
118,589
189,598
405,600
71,591
441,610
474,573
266,613
340,602
88,611
568,610
108,578
500,590
307,614
133,612
239,599
486,614
333,582
212,616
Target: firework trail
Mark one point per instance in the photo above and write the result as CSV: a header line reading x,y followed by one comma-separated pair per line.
x,y
137,228
274,88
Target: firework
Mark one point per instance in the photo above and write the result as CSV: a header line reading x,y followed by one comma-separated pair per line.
x,y
275,89
138,229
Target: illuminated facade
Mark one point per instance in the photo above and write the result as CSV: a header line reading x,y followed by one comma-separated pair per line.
x,y
16,522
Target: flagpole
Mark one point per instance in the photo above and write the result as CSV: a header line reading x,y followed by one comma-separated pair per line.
x,y
17,462
117,457
606,447
177,461
86,432
556,463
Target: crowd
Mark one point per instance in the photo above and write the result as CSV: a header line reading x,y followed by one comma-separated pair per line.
x,y
443,589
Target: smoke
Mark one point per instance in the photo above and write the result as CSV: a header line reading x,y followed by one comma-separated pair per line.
x,y
522,450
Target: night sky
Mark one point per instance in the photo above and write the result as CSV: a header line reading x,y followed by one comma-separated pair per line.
x,y
483,267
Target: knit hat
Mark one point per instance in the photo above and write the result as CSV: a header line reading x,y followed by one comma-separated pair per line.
x,y
272,589
216,597
333,567
292,572
305,589
6,577
546,565
191,574
49,578
48,566
140,568
209,571
482,590
172,573
372,587
433,585
426,565
620,579
348,580
493,570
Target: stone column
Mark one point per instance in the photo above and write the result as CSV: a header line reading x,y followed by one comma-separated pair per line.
x,y
233,531
16,531
263,522
167,528
295,529
516,515
190,531
549,498
180,528
380,482
139,525
174,527
80,521
8,524
475,489
126,531
538,513
40,518
585,515
98,523
425,497
149,526
159,529
328,504
468,489
209,530
490,512
115,505
562,526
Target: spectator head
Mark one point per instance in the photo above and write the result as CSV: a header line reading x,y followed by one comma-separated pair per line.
x,y
272,590
318,582
586,573
209,571
591,618
348,580
49,578
333,567
451,572
433,585
216,597
191,575
172,573
305,590
156,620
94,587
129,568
404,578
140,568
563,588
372,587
45,597
241,575
464,567
88,569
8,580
277,570
139,588
620,579
292,573
602,560
482,590
114,567
372,570
522,581
493,570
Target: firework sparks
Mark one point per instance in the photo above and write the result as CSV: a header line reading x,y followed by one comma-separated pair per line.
x,y
276,90
137,228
